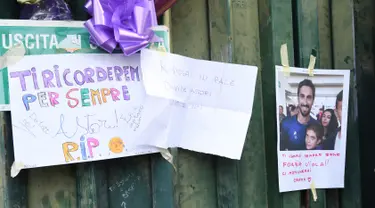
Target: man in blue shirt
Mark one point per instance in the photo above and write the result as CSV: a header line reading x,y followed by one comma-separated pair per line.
x,y
293,129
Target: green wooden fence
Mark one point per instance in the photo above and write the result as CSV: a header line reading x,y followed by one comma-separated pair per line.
x,y
238,31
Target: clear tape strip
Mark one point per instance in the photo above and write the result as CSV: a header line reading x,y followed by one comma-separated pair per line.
x,y
313,191
285,59
311,66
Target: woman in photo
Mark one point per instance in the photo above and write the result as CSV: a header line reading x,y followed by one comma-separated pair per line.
x,y
330,124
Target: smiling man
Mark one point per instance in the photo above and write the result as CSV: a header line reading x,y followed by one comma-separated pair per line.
x,y
293,129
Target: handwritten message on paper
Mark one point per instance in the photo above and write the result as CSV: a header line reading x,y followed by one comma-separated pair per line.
x,y
298,170
199,82
311,142
210,103
74,108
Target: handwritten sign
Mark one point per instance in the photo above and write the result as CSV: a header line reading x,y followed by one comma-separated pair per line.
x,y
207,105
52,37
312,128
71,108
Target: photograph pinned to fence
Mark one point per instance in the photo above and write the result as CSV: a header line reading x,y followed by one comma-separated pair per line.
x,y
312,127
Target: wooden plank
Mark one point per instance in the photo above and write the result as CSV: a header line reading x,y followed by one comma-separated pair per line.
x,y
196,180
13,191
344,57
221,40
162,182
162,172
55,185
91,177
276,27
92,187
308,32
52,187
325,34
307,39
129,182
252,177
326,59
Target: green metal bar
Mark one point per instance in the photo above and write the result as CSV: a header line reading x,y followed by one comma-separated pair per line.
x,y
13,191
129,182
356,52
195,184
276,27
92,190
52,187
252,166
162,182
326,62
308,39
162,172
92,187
221,42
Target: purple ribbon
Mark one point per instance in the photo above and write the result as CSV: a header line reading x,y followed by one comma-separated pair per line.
x,y
124,22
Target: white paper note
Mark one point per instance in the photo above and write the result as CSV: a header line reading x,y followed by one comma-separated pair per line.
x,y
207,105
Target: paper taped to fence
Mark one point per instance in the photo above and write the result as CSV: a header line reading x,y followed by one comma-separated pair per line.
x,y
312,128
207,105
72,108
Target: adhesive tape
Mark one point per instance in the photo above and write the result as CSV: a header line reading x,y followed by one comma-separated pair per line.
x,y
16,168
285,59
167,156
12,56
311,66
313,190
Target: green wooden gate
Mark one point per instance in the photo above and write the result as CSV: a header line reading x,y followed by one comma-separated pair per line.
x,y
237,31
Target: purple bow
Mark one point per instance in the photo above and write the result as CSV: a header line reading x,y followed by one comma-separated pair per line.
x,y
124,22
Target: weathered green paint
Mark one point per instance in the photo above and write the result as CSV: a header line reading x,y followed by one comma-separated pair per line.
x,y
91,177
343,56
92,187
325,45
52,187
228,31
195,185
162,172
308,31
252,170
221,49
276,28
129,182
308,39
36,176
325,34
162,182
13,191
